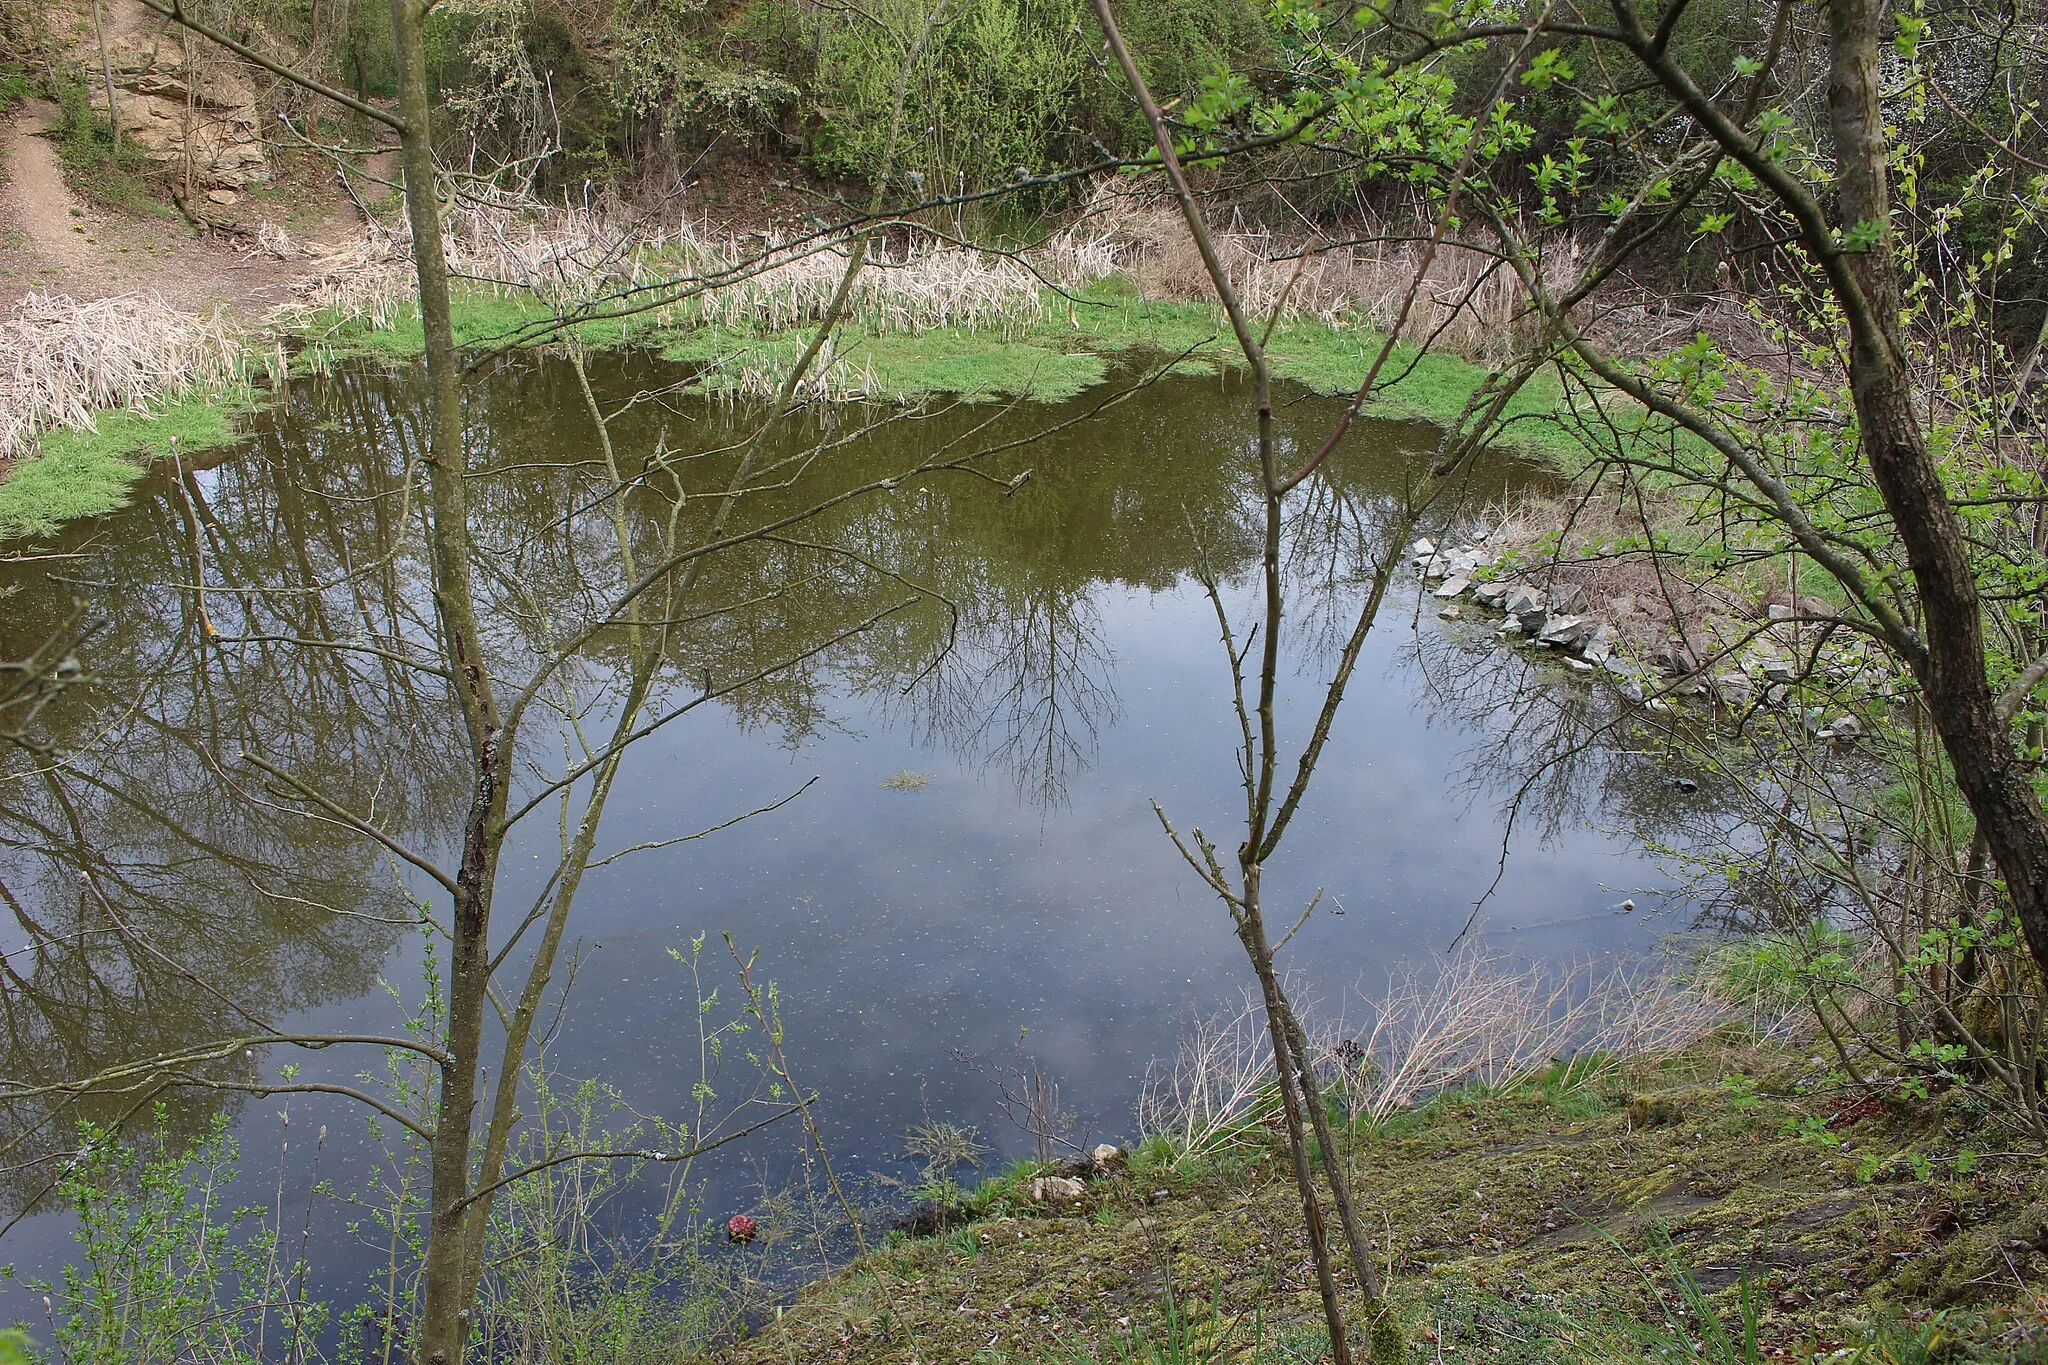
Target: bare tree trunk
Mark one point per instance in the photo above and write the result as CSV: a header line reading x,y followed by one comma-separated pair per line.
x,y
1952,668
1252,929
191,80
99,29
1263,820
444,1318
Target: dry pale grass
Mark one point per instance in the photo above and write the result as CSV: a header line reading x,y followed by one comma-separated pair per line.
x,y
1218,1080
65,360
1472,1019
938,287
1479,1020
1468,302
557,252
566,255
274,241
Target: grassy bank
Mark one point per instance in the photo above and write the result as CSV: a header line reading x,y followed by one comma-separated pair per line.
x,y
1051,356
1056,354
1628,1218
89,472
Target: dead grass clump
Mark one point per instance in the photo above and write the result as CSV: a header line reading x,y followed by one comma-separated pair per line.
x,y
1217,1083
1473,1019
927,289
65,360
563,255
560,253
276,242
1477,1019
1468,302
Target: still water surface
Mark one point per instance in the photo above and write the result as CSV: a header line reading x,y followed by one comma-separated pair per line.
x,y
978,856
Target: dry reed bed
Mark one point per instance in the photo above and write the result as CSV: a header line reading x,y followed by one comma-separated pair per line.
x,y
1476,1019
1468,301
566,256
64,360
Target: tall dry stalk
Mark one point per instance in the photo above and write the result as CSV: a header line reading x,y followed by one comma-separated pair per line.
x,y
62,360
1473,1018
508,245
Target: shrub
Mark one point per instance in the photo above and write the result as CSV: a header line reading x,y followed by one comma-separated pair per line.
x,y
992,91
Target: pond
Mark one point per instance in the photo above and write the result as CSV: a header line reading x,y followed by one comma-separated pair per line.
x,y
961,697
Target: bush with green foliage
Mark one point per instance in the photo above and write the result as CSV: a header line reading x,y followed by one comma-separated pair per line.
x,y
166,1270
990,91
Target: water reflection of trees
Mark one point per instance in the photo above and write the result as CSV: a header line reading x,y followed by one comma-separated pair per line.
x,y
1571,753
1027,686
160,898
163,892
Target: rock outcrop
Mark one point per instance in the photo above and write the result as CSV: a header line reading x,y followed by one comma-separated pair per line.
x,y
172,97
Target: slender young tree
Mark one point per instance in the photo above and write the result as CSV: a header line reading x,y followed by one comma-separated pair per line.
x,y
1271,798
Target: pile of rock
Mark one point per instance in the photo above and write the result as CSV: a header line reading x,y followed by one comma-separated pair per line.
x,y
1558,618
1736,658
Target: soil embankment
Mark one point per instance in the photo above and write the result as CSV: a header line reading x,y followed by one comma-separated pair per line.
x,y
53,241
189,125
1631,1218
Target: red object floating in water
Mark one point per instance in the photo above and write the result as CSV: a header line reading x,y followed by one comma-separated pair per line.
x,y
741,1228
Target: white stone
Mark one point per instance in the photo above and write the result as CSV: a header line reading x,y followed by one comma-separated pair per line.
x,y
1567,632
1048,1187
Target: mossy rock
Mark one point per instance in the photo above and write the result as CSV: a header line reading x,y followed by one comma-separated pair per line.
x,y
1653,1111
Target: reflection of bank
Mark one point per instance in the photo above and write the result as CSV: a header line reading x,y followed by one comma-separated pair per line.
x,y
162,895
1759,828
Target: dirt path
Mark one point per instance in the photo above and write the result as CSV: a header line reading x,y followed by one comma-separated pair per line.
x,y
49,240
34,201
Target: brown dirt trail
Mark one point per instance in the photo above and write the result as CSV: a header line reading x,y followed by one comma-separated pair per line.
x,y
51,240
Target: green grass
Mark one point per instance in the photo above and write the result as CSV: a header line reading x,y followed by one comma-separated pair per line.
x,y
89,473
16,85
1053,358
481,320
1328,359
898,367
1543,1224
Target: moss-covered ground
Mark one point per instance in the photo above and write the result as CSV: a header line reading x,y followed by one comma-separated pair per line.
x,y
85,473
1629,1218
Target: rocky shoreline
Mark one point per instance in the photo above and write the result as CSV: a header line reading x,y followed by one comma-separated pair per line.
x,y
1715,648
